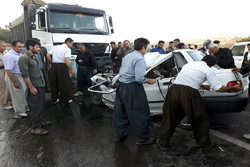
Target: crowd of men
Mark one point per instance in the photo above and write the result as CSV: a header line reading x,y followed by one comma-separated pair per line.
x,y
23,85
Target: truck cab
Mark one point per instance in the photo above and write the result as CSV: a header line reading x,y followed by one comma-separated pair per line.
x,y
55,22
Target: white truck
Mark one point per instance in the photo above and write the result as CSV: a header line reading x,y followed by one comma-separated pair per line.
x,y
52,23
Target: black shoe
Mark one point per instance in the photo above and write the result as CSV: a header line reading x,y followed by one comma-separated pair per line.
x,y
120,138
213,146
163,147
146,142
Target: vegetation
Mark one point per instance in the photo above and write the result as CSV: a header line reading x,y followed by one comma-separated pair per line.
x,y
244,39
5,35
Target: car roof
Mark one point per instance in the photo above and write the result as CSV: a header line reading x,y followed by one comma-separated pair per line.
x,y
242,43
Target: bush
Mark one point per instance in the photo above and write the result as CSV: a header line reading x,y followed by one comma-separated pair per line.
x,y
5,35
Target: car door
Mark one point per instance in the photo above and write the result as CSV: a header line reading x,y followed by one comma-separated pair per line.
x,y
238,54
156,93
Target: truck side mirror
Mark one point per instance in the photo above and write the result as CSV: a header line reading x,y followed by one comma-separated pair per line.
x,y
110,21
32,13
112,31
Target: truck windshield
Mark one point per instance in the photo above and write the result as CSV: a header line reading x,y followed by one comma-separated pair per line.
x,y
77,23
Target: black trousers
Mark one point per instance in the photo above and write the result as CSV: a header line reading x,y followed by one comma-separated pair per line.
x,y
84,74
131,106
184,101
60,82
36,104
46,79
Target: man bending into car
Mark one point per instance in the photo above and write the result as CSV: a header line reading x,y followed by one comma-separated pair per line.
x,y
183,99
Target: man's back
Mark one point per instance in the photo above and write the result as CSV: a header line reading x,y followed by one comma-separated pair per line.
x,y
225,58
194,74
59,52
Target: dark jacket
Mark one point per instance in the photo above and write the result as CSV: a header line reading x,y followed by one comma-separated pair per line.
x,y
225,58
88,59
114,54
244,59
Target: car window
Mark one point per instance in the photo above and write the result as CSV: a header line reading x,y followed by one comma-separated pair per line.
x,y
196,56
164,70
180,60
238,50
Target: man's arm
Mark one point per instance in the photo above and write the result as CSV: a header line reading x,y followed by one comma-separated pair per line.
x,y
33,90
48,56
12,78
66,59
236,88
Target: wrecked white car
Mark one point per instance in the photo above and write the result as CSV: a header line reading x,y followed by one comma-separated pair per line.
x,y
167,67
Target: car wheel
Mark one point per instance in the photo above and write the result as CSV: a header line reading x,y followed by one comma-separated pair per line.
x,y
96,98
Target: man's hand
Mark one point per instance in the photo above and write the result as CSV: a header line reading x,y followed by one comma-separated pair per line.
x,y
151,81
238,88
116,57
236,70
33,91
17,85
49,67
94,71
113,64
79,61
72,73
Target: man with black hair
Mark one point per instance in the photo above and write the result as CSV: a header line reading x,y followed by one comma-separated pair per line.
x,y
159,48
216,42
246,58
184,99
14,80
176,42
131,104
170,48
181,46
58,57
116,60
87,67
33,76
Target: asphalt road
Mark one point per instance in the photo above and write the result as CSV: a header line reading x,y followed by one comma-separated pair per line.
x,y
81,135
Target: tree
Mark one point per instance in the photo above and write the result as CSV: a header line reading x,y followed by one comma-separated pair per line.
x,y
5,35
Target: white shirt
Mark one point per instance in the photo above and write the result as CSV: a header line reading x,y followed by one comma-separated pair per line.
x,y
59,52
194,74
248,56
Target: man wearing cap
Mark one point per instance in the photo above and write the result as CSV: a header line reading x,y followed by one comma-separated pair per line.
x,y
205,49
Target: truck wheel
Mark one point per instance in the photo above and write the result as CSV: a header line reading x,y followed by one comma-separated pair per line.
x,y
96,98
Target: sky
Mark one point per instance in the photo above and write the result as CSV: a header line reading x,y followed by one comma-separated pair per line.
x,y
161,19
